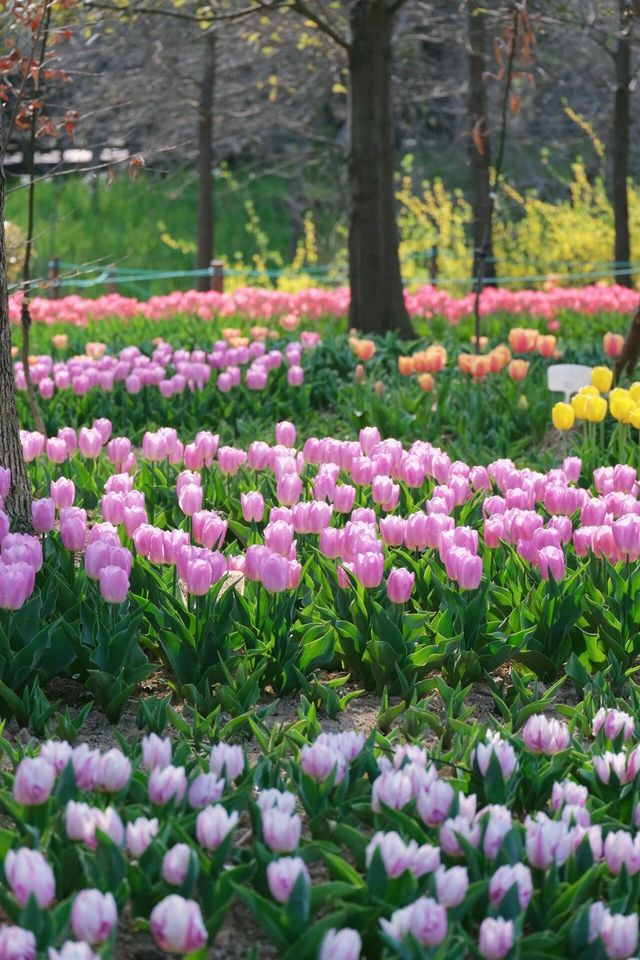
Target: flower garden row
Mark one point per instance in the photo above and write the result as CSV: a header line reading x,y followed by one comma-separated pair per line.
x,y
260,304
217,563
510,844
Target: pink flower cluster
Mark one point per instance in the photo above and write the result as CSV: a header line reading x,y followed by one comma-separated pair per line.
x,y
170,371
255,303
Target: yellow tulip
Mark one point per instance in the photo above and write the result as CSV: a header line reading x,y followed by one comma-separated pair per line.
x,y
563,416
634,391
596,409
602,378
621,408
579,406
618,392
635,418
589,391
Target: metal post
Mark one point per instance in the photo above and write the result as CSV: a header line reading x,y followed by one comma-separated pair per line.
x,y
433,264
54,281
217,276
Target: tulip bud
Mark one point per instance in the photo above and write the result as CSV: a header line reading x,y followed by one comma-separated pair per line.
x,y
177,925
175,865
93,916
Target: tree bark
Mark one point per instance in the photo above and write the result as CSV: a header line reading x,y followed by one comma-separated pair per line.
x,y
629,357
18,502
205,164
621,122
480,150
377,298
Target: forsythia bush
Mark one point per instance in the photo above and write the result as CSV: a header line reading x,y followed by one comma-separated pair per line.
x,y
531,236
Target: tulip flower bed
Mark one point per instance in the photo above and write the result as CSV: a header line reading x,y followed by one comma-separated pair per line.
x,y
260,304
235,573
514,842
328,384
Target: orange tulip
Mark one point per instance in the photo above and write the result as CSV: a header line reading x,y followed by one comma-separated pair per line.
x,y
613,344
464,362
426,382
95,350
518,369
60,341
290,322
406,366
523,339
364,349
420,361
259,333
547,345
437,358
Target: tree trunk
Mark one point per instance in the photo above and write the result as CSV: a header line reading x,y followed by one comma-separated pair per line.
x,y
484,268
377,298
205,164
18,502
621,121
629,357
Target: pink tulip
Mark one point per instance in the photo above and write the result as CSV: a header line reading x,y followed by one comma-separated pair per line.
x,y
156,752
28,873
140,834
252,506
90,442
56,450
93,916
451,886
167,783
206,789
369,568
541,735
63,492
5,481
507,877
73,527
190,499
17,944
613,723
33,781
114,771
17,581
282,876
209,529
57,753
344,944
547,841
496,938
285,433
226,760
73,950
213,825
114,584
176,863
177,925
400,583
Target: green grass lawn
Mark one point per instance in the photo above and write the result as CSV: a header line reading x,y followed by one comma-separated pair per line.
x,y
150,222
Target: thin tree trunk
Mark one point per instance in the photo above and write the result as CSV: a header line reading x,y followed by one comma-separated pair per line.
x,y
205,164
18,502
377,299
629,357
621,121
25,315
480,149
